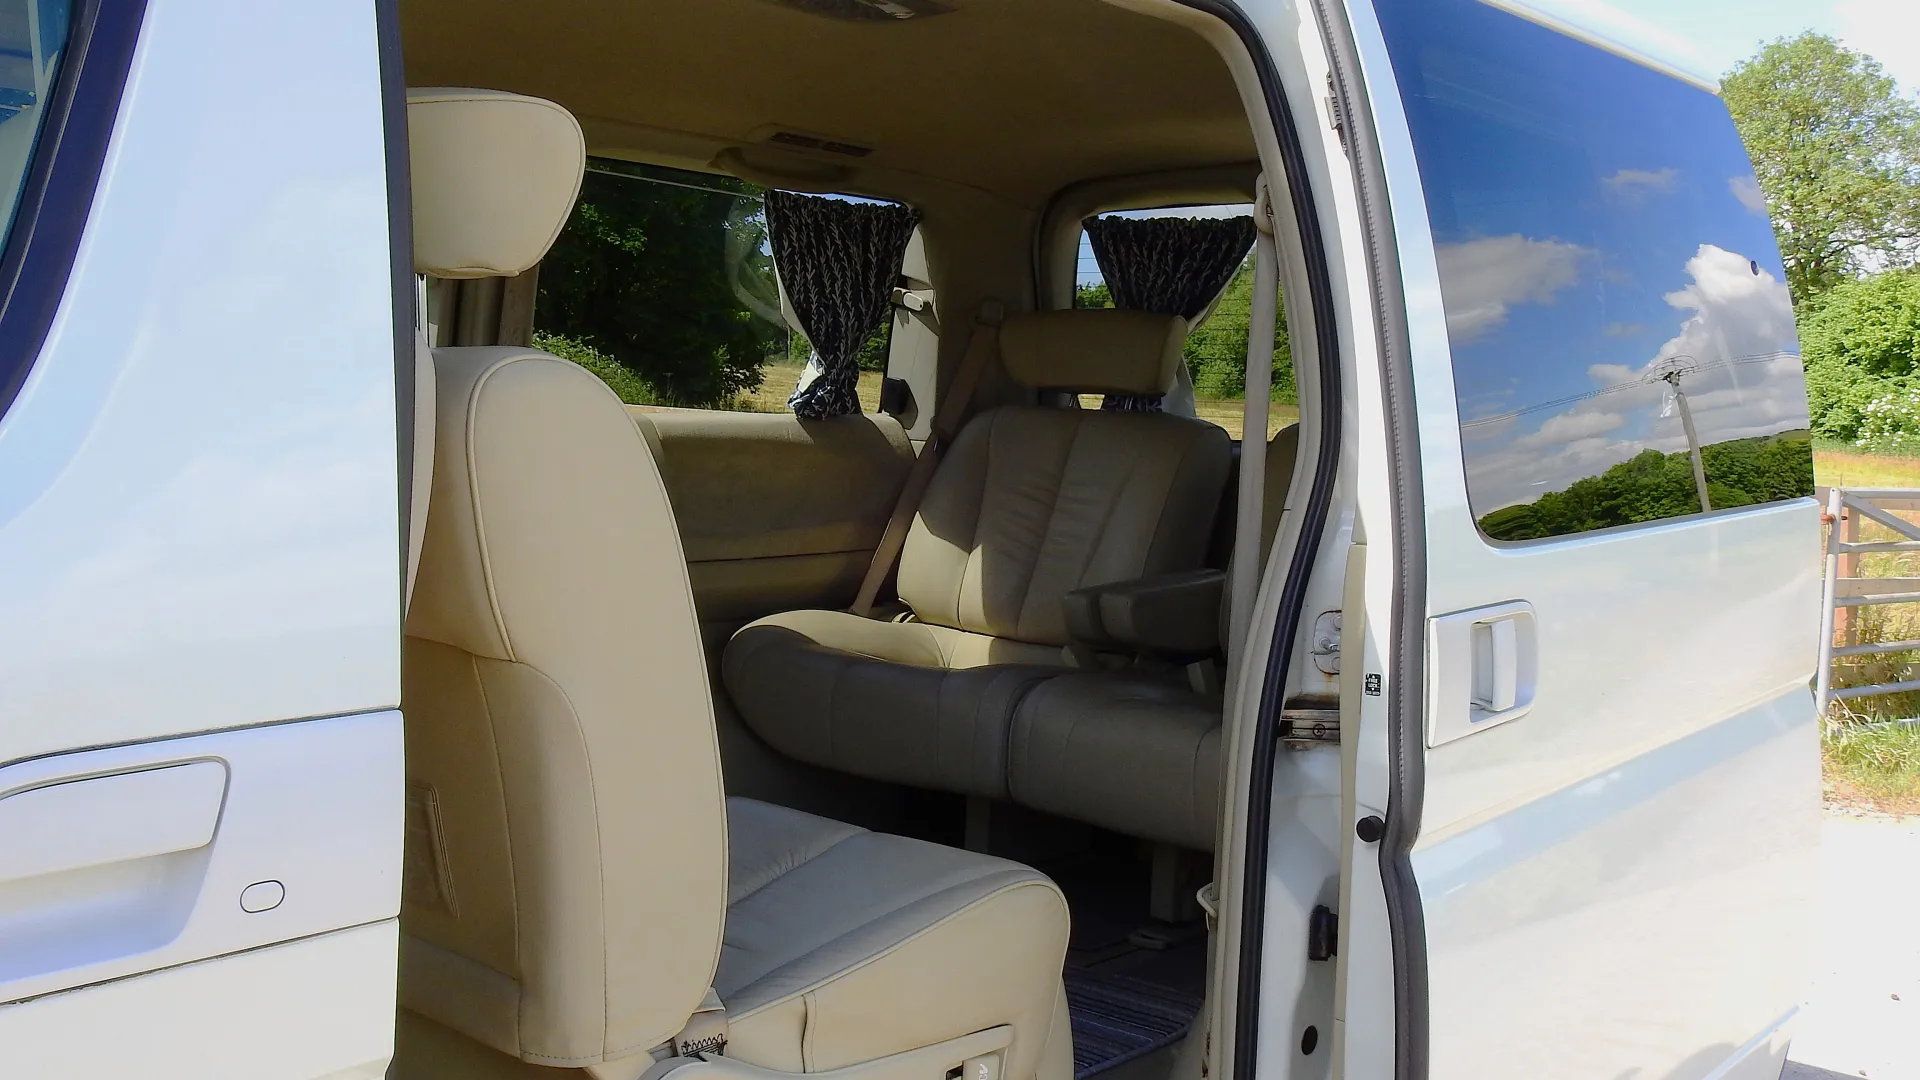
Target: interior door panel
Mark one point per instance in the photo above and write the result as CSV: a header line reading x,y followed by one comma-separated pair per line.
x,y
776,512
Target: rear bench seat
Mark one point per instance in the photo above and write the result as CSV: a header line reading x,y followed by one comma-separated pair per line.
x,y
1029,504
1135,752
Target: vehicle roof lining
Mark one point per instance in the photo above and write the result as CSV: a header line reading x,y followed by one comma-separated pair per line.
x,y
1016,98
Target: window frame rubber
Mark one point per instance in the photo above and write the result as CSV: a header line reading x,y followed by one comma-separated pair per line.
x,y
1403,659
56,200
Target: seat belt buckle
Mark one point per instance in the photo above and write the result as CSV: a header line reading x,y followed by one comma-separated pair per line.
x,y
705,1031
981,1067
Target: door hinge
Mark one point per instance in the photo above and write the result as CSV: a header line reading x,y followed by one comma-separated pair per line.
x,y
1323,931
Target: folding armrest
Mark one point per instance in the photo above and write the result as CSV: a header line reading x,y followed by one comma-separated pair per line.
x,y
1169,615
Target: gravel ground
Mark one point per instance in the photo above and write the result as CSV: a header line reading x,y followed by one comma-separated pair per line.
x,y
1862,1016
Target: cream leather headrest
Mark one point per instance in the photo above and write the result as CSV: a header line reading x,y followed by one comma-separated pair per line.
x,y
494,178
1093,350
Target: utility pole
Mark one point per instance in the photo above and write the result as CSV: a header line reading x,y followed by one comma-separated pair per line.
x,y
1672,379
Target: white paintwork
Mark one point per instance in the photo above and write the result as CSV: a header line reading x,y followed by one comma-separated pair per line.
x,y
1615,884
316,806
198,511
318,1009
74,824
199,532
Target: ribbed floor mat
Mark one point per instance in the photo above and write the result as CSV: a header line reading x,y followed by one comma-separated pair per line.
x,y
1117,1019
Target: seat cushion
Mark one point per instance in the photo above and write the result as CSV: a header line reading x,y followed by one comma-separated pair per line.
x,y
909,703
844,945
1131,753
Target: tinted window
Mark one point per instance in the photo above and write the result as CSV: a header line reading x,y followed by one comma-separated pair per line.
x,y
33,33
1609,274
1216,350
662,283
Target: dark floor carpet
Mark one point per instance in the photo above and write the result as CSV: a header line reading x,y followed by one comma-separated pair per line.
x,y
1117,1019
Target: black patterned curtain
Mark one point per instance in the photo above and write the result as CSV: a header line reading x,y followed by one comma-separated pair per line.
x,y
838,262
1172,266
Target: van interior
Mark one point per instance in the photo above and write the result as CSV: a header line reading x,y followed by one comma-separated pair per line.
x,y
887,742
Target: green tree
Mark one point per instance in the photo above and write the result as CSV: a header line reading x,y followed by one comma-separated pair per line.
x,y
631,388
1861,345
653,275
1652,485
1216,352
1093,295
1836,149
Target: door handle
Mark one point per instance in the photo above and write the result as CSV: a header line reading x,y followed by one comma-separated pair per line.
x,y
1481,668
61,827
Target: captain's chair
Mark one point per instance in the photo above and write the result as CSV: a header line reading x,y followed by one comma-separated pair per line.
x,y
581,899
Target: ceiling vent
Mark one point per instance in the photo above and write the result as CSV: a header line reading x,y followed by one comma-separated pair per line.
x,y
868,10
799,141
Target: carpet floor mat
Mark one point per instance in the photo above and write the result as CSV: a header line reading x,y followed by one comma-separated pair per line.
x,y
1117,1019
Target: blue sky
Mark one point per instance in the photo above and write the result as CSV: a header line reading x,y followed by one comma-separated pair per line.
x,y
1709,36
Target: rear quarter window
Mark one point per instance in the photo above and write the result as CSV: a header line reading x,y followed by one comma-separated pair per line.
x,y
1621,332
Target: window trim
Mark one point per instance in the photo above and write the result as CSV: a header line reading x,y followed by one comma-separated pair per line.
x,y
56,201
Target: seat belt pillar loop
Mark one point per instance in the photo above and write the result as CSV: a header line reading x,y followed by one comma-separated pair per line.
x,y
981,348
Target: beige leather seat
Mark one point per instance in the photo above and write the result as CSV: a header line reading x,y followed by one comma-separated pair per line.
x,y
1028,504
577,884
1138,754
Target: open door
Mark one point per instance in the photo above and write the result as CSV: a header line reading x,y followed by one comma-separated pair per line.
x,y
201,794
1610,811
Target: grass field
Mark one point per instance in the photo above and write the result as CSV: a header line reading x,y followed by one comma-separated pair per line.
x,y
1847,468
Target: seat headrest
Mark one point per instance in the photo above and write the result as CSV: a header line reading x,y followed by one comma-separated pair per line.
x,y
494,178
1093,350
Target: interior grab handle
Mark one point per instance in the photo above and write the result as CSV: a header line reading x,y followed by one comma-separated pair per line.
x,y
1482,665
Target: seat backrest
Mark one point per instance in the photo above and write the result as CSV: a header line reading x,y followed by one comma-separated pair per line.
x,y
1031,503
565,889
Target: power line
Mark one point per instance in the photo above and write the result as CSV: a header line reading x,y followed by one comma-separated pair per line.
x,y
1713,365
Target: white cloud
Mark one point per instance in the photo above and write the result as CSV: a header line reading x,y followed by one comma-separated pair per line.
x,y
1570,428
1747,190
1481,279
1631,182
1730,313
1888,31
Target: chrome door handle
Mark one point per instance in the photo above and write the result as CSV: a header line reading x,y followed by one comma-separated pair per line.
x,y
1481,668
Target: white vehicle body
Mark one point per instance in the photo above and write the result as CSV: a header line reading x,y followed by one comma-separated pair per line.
x,y
203,553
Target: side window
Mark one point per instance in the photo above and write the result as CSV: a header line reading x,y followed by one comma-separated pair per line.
x,y
1622,337
1216,350
33,34
663,284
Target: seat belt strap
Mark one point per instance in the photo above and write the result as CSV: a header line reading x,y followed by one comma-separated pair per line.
x,y
981,348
